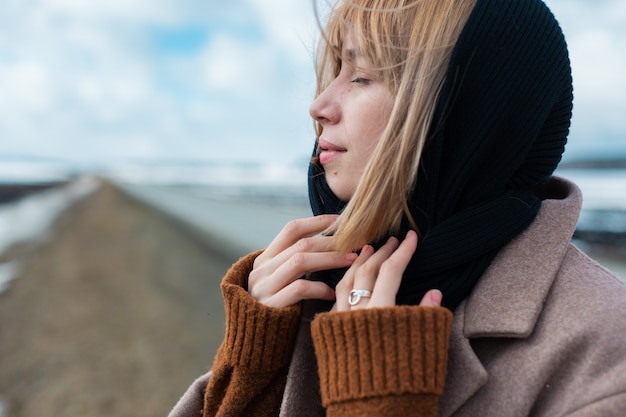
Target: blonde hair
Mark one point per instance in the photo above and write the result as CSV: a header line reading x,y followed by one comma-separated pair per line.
x,y
409,43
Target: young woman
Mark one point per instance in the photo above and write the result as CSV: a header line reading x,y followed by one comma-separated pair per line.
x,y
439,121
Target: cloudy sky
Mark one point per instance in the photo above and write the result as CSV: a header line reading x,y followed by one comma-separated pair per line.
x,y
101,81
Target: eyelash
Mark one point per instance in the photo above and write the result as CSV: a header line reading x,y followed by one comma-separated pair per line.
x,y
364,81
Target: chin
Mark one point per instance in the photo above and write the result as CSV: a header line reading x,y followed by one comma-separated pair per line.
x,y
340,188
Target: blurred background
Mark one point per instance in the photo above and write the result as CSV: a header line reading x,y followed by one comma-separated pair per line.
x,y
145,145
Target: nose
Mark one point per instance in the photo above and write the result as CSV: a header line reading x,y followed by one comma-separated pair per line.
x,y
325,108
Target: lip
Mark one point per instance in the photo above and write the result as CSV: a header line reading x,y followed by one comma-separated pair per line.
x,y
328,151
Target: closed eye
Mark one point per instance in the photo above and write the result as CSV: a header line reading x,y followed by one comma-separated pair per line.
x,y
361,81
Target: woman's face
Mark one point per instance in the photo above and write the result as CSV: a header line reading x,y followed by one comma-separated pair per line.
x,y
353,112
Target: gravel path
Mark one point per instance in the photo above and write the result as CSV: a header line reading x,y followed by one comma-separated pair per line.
x,y
115,316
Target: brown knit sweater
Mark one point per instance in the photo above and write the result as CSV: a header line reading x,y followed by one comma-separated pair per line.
x,y
377,362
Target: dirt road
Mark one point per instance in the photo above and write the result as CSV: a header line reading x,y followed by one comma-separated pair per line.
x,y
114,316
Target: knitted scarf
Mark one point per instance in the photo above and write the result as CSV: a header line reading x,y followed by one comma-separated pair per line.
x,y
499,130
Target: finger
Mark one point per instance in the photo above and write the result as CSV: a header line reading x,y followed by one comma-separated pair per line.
x,y
310,244
300,290
264,268
432,299
391,271
347,282
266,282
366,275
296,230
265,265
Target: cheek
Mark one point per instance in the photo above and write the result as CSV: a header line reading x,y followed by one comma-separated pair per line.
x,y
372,127
371,116
363,151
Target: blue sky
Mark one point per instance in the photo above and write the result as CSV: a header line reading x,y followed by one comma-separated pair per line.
x,y
102,81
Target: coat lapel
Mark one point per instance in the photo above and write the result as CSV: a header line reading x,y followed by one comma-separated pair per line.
x,y
466,373
509,297
302,396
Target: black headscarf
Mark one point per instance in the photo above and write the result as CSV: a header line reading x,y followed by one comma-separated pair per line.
x,y
499,130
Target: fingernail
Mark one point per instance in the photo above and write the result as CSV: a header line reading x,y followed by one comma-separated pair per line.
x,y
351,257
436,296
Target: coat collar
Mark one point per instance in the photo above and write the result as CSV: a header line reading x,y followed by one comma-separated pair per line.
x,y
509,297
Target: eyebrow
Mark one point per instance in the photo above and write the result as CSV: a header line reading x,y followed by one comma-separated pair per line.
x,y
350,55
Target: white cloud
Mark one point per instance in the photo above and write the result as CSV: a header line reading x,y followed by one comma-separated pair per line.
x,y
238,67
155,11
599,66
290,24
24,86
85,80
596,36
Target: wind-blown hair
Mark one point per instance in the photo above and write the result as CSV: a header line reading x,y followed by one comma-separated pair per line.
x,y
462,162
409,44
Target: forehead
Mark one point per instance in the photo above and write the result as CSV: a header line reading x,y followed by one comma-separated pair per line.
x,y
349,54
349,51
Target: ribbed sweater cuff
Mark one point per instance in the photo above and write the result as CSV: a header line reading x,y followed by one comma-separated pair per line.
x,y
258,338
380,352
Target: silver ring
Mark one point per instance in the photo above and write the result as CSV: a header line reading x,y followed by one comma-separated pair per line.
x,y
356,295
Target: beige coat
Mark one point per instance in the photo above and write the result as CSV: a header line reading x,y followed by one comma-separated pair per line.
x,y
542,334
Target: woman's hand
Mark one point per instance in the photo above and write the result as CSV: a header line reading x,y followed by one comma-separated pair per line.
x,y
380,274
275,279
